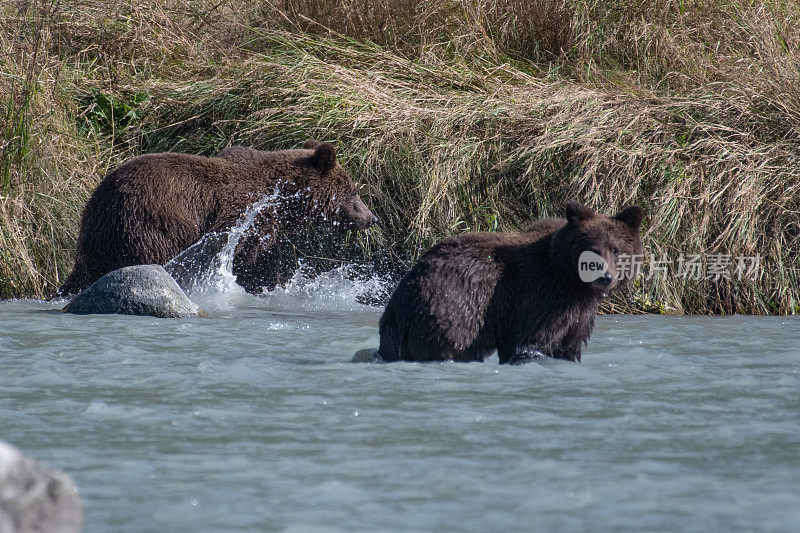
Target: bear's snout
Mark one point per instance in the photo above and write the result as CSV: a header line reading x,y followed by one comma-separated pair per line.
x,y
605,281
357,215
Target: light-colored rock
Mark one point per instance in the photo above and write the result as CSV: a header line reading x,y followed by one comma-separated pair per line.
x,y
146,290
33,499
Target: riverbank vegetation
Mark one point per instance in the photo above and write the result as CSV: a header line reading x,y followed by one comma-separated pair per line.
x,y
455,115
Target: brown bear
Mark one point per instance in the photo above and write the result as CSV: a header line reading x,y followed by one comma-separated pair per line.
x,y
156,205
522,294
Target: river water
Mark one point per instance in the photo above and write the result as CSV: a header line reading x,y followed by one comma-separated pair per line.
x,y
254,419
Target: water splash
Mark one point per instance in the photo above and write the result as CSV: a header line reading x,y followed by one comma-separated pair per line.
x,y
347,287
205,272
207,265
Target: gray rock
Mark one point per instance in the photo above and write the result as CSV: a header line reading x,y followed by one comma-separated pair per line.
x,y
145,290
367,355
33,499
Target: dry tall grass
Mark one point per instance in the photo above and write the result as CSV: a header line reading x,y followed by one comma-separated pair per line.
x,y
457,116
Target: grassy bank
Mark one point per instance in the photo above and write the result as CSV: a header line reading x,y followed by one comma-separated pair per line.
x,y
456,116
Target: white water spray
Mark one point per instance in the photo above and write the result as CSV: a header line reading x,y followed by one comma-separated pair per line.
x,y
207,265
205,271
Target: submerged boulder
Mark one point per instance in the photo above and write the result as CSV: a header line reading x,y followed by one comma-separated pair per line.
x,y
367,355
35,499
146,290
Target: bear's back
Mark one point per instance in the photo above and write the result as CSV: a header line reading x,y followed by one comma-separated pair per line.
x,y
175,184
172,170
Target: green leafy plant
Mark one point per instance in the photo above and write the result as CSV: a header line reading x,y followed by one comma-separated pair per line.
x,y
110,114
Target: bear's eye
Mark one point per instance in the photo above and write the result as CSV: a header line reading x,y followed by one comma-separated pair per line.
x,y
616,252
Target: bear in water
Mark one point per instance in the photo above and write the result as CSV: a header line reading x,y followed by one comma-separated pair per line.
x,y
154,206
523,294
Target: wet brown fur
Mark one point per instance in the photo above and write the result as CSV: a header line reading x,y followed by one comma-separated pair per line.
x,y
519,293
154,206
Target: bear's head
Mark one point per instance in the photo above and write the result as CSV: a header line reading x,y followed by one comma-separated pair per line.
x,y
600,252
329,193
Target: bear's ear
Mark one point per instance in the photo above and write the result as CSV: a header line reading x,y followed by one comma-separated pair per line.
x,y
577,213
324,158
310,144
632,216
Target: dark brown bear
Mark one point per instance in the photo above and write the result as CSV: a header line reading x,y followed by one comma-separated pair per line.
x,y
156,205
519,293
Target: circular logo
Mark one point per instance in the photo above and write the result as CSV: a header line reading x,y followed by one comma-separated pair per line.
x,y
591,266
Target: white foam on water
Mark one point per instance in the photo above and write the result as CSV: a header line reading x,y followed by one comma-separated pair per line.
x,y
342,288
345,288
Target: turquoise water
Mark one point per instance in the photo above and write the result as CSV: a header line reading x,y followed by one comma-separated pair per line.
x,y
254,419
